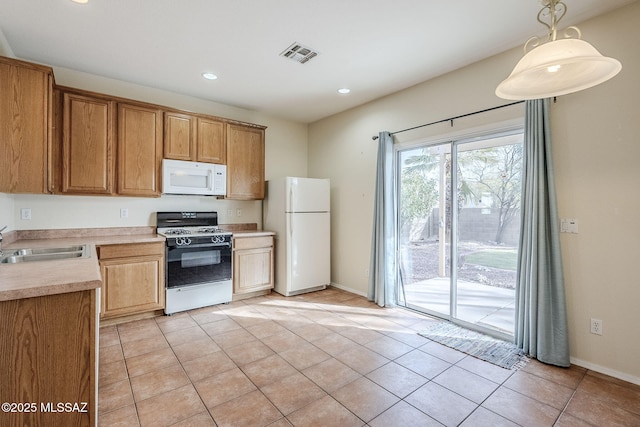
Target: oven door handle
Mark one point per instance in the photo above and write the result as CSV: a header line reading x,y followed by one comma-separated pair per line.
x,y
202,245
226,245
219,244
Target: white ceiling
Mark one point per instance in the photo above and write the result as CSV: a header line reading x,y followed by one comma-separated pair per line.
x,y
374,47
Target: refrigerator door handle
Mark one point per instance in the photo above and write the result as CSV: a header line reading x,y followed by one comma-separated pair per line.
x,y
291,226
290,201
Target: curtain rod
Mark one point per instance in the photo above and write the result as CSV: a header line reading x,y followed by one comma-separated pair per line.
x,y
451,119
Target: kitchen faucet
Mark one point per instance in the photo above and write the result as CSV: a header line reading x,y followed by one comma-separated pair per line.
x,y
1,230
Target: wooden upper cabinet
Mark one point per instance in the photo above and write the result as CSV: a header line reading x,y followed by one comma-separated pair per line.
x,y
212,147
179,136
88,160
245,162
25,126
139,150
198,139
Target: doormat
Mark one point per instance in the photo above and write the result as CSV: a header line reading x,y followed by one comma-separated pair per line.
x,y
501,353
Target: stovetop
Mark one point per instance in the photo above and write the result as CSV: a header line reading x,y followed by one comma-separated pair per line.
x,y
192,224
191,231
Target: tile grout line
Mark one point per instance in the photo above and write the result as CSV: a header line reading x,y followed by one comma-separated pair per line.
x,y
185,373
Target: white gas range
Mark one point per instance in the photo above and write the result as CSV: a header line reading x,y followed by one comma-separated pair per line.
x,y
198,260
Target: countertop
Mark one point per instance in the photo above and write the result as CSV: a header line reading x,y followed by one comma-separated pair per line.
x,y
33,279
40,278
252,233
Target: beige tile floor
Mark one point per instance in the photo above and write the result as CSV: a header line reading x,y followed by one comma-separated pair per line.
x,y
331,358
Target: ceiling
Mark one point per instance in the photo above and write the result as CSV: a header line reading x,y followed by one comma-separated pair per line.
x,y
373,47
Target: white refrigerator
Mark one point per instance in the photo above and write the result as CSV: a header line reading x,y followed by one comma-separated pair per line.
x,y
298,211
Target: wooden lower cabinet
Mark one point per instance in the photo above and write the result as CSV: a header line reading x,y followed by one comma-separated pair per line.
x,y
48,359
252,264
132,279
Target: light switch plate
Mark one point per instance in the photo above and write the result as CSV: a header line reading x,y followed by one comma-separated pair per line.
x,y
569,225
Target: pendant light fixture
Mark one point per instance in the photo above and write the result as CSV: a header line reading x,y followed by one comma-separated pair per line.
x,y
556,67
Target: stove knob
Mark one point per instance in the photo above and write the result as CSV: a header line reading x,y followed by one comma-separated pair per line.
x,y
187,241
179,241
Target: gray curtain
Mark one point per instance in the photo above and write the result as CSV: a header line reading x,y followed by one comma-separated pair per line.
x,y
541,317
382,270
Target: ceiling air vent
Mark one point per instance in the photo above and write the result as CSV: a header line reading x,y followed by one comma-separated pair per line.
x,y
299,53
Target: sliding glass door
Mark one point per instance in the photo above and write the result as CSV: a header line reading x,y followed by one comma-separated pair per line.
x,y
424,229
459,207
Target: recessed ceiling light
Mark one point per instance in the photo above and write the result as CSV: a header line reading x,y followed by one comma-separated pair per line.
x,y
209,76
344,90
80,1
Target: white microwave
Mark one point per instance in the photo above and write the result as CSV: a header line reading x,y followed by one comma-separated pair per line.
x,y
182,177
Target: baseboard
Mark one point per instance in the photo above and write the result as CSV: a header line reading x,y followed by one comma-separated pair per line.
x,y
583,363
348,289
606,371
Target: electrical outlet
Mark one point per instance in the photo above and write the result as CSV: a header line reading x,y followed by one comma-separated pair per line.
x,y
124,213
25,214
229,213
238,212
596,326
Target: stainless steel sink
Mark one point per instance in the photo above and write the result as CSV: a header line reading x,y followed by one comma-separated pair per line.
x,y
45,254
40,251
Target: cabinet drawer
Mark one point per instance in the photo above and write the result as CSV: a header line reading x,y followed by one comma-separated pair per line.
x,y
253,242
130,250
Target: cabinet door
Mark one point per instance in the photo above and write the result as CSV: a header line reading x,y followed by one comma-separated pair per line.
x,y
252,270
49,355
212,147
132,285
87,145
179,136
25,128
245,162
139,150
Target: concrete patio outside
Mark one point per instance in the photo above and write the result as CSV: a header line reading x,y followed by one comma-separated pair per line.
x,y
485,306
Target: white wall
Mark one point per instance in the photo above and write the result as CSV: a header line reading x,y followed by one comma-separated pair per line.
x,y
54,211
285,154
596,154
6,212
5,49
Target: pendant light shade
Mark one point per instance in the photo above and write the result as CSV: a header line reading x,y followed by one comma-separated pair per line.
x,y
557,67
